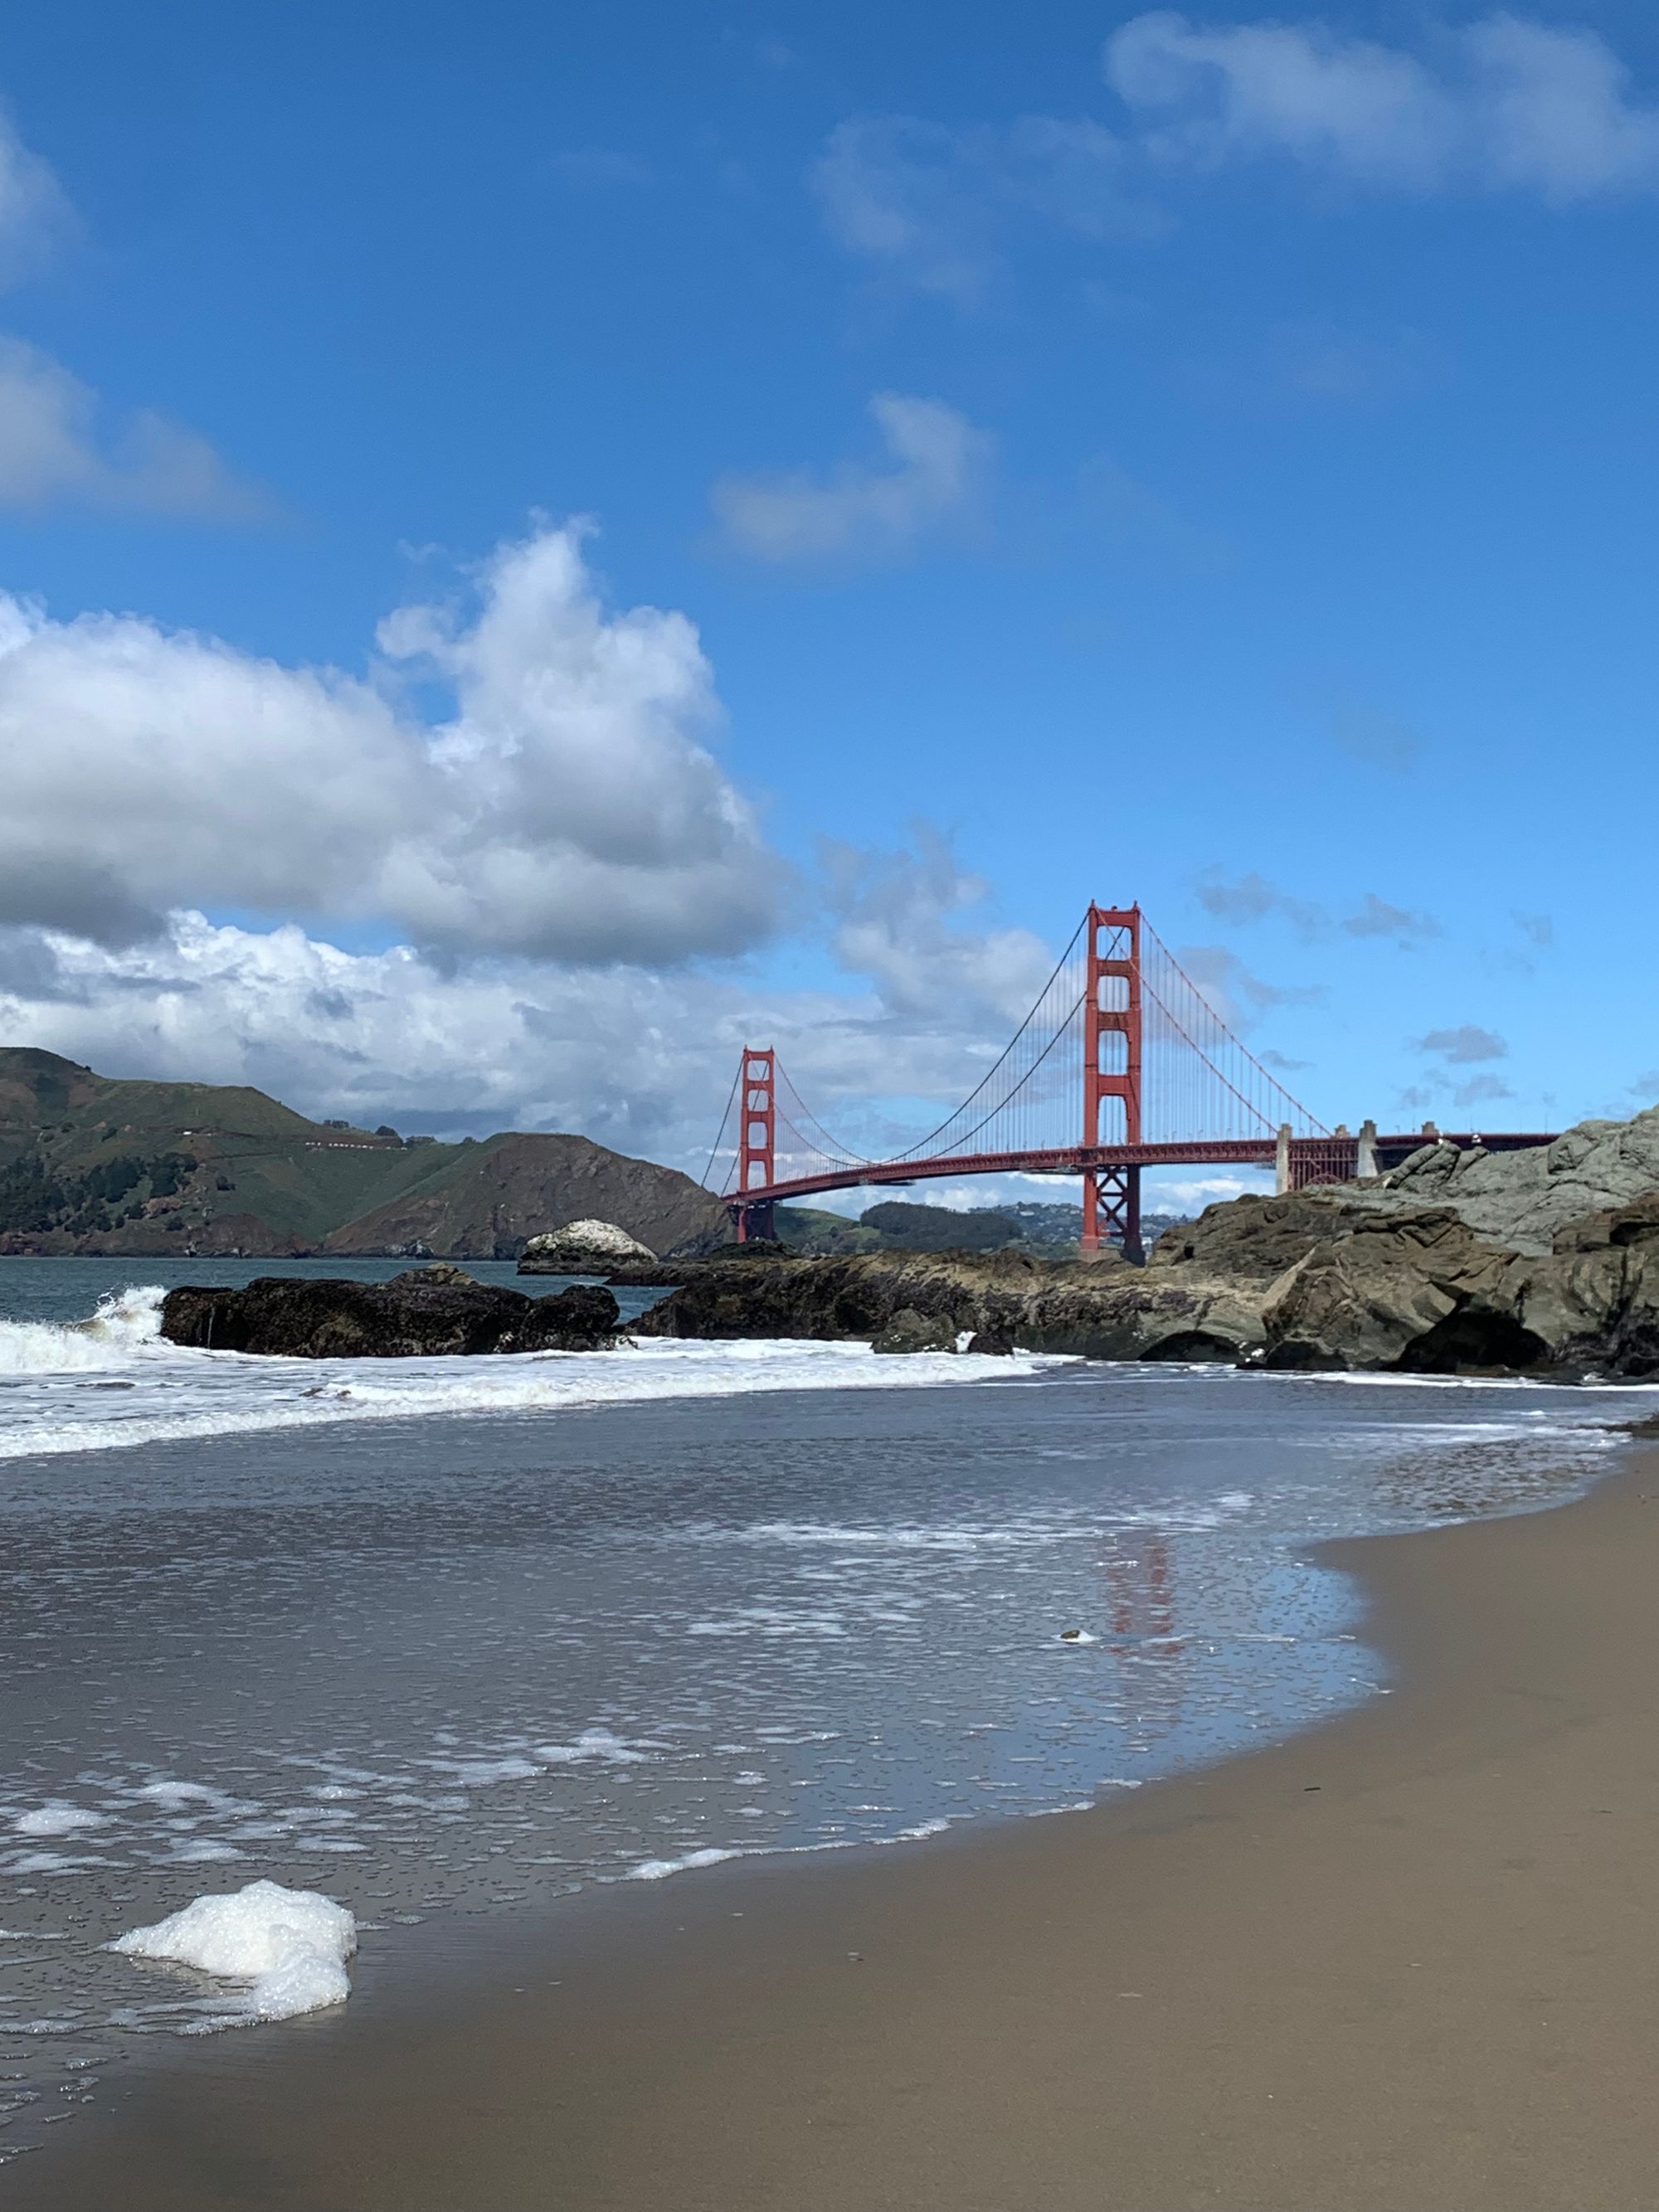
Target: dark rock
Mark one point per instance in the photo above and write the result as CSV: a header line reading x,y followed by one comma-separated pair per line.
x,y
413,1316
1104,1311
441,1272
654,1275
1618,1225
1251,1239
909,1331
1391,1274
997,1343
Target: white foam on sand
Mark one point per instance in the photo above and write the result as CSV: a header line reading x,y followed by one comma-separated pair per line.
x,y
55,1818
592,1743
58,1396
659,1870
285,1949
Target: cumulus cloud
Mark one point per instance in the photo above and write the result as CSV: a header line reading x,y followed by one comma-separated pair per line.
x,y
935,470
639,1058
931,207
51,448
566,805
1501,105
1469,1042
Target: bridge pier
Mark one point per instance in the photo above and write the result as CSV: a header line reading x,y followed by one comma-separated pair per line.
x,y
754,1221
1111,1212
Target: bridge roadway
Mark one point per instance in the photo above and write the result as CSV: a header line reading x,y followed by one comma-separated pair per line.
x,y
1313,1160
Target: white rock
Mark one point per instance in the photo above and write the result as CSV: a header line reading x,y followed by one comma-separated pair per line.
x,y
581,1248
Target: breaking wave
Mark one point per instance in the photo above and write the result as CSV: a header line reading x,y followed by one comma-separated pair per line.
x,y
114,1380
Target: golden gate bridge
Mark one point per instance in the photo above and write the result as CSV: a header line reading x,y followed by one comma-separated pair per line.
x,y
1122,1064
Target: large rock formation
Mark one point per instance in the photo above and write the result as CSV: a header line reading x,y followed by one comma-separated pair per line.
x,y
430,1311
1406,1274
1517,1199
583,1247
1105,1311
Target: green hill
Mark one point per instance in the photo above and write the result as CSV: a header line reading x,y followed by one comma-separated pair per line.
x,y
93,1164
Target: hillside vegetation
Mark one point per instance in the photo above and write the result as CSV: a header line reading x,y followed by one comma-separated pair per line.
x,y
95,1164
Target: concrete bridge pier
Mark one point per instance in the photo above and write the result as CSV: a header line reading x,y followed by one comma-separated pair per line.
x,y
1365,1163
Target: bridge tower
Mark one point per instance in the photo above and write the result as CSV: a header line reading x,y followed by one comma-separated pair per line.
x,y
1111,1070
758,1140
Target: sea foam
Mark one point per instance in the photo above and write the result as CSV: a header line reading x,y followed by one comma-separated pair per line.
x,y
114,1380
285,1949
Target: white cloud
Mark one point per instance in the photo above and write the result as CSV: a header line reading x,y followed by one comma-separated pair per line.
x,y
34,212
567,807
51,449
897,921
53,446
639,1059
938,463
930,207
1504,105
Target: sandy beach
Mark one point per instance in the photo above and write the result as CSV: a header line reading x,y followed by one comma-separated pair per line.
x,y
1409,1960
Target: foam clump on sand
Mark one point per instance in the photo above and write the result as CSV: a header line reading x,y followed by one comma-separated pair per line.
x,y
289,1948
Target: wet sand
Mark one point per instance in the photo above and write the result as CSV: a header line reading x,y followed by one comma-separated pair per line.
x,y
1410,1961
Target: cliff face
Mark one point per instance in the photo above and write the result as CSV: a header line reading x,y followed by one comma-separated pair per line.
x,y
95,1164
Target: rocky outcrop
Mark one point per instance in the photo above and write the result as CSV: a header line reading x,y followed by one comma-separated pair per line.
x,y
1104,1311
431,1311
1252,1240
1360,1276
1520,1200
583,1247
909,1331
1421,1294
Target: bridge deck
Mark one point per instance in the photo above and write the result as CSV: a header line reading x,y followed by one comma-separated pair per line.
x,y
1313,1158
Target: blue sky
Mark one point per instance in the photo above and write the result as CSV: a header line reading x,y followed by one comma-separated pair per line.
x,y
1202,458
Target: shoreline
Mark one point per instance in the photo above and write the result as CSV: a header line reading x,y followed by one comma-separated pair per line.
x,y
1406,1958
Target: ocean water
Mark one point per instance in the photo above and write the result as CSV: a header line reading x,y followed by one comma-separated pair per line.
x,y
439,1635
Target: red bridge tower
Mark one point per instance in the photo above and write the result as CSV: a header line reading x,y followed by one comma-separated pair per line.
x,y
757,1142
1111,1071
